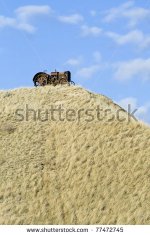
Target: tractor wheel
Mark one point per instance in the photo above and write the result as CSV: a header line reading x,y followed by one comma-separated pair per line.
x,y
63,81
40,79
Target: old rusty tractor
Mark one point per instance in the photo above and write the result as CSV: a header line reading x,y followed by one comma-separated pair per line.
x,y
53,78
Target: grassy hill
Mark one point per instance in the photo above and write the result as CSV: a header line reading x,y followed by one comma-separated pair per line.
x,y
69,156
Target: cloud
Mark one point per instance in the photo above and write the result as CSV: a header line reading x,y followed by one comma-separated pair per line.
x,y
22,17
71,19
24,13
128,11
88,72
134,68
97,56
7,21
25,27
93,13
135,37
117,12
128,101
143,111
74,61
13,23
90,31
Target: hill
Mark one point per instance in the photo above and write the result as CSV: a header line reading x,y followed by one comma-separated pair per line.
x,y
69,156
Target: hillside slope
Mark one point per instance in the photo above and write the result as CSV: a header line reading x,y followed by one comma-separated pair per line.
x,y
71,167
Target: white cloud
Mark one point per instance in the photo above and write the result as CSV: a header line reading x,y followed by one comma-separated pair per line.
x,y
25,12
71,19
25,27
136,14
74,61
135,37
97,56
7,21
90,31
88,72
22,17
143,111
128,101
134,68
93,13
14,23
116,12
127,10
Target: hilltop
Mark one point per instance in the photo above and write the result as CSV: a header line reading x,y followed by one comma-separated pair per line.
x,y
69,156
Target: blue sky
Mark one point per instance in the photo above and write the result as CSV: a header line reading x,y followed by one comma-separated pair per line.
x,y
105,44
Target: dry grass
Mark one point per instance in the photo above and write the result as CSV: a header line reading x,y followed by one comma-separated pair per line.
x,y
71,172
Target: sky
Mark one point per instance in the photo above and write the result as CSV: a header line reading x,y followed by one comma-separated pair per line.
x,y
105,45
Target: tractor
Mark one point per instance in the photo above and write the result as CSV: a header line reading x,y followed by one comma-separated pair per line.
x,y
53,78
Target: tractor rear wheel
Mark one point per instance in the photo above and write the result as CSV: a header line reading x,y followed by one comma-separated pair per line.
x,y
40,79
